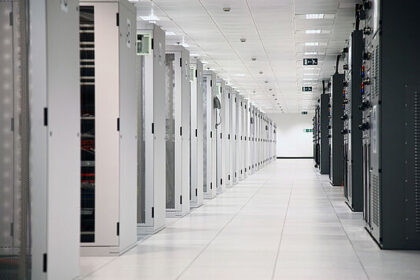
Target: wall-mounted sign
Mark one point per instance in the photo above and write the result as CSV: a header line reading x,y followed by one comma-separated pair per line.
x,y
304,112
308,130
306,89
310,61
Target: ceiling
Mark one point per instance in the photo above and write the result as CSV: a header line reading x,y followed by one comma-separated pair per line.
x,y
278,36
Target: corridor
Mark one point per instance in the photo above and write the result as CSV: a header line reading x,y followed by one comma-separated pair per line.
x,y
283,222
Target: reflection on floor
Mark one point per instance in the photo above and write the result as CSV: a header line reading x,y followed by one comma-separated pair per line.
x,y
283,222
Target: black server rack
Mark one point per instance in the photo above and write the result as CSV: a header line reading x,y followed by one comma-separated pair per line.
x,y
391,123
335,129
316,136
353,184
324,161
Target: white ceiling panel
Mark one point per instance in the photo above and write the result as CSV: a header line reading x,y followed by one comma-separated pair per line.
x,y
276,33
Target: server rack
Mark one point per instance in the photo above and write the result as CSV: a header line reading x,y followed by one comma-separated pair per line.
x,y
234,145
324,162
220,137
178,103
108,127
246,138
227,136
54,164
316,136
152,186
390,126
196,162
209,134
353,184
335,129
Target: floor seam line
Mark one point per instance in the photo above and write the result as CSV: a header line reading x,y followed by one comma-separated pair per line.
x,y
281,234
220,231
345,232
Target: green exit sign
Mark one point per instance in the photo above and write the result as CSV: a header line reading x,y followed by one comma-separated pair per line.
x,y
308,130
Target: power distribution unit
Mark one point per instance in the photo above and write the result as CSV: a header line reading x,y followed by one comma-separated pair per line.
x,y
109,95
196,161
353,183
178,106
391,123
209,134
324,151
335,128
151,48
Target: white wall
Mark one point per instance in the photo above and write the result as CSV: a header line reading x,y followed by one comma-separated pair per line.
x,y
292,141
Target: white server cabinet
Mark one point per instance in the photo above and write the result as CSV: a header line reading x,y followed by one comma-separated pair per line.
x,y
178,98
151,47
220,136
252,142
209,129
108,127
258,139
246,137
234,143
196,162
229,141
55,139
239,154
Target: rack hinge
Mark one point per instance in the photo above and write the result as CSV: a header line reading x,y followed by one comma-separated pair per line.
x,y
118,124
153,128
118,19
180,199
153,43
118,229
153,212
11,18
180,62
180,130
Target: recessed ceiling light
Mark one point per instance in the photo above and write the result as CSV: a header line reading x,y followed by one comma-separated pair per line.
x,y
270,89
226,9
261,72
254,58
152,17
266,82
243,40
313,31
311,44
314,16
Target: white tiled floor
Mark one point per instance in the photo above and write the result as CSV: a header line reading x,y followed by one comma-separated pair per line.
x,y
283,222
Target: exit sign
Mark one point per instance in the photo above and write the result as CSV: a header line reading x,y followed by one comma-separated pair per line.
x,y
310,61
308,130
306,89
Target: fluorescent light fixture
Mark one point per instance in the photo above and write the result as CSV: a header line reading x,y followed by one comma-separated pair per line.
x,y
313,31
310,68
194,55
314,16
311,44
152,17
170,33
310,74
311,53
309,79
185,45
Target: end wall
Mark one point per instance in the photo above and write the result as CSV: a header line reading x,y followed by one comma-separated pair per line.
x,y
292,140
